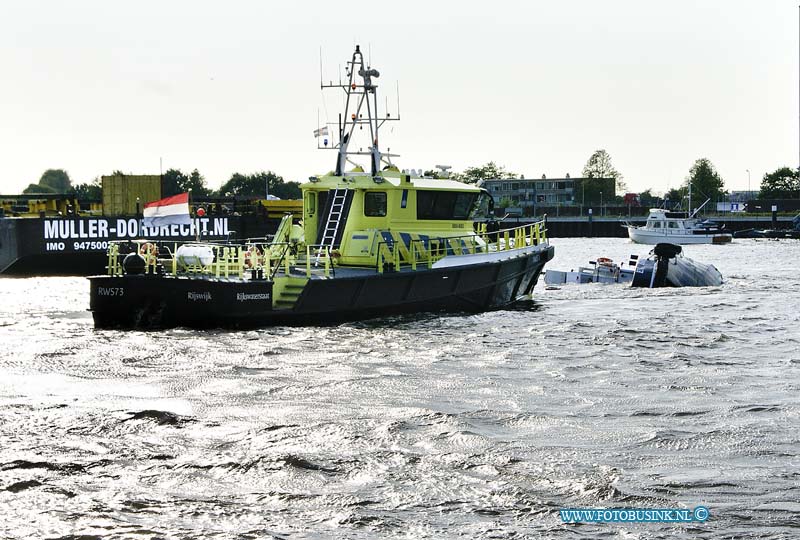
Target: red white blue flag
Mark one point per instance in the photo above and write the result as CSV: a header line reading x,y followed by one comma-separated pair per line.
x,y
170,211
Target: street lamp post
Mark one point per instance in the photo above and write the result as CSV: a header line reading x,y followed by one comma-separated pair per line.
x,y
602,210
749,193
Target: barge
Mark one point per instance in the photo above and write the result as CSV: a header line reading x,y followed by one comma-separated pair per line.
x,y
45,235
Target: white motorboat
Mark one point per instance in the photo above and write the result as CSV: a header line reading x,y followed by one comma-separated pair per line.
x,y
663,226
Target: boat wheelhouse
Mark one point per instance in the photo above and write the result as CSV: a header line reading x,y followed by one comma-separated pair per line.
x,y
366,244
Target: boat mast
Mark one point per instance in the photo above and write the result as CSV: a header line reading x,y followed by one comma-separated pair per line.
x,y
360,94
690,198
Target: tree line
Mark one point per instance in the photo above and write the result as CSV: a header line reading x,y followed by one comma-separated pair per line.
x,y
783,183
704,179
259,184
174,181
706,182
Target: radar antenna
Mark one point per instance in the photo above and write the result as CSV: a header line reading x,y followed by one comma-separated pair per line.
x,y
360,98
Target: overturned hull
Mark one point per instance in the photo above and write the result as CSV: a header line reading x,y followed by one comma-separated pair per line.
x,y
147,301
667,267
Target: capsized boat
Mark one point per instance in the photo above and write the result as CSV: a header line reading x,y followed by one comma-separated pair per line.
x,y
368,243
602,270
665,266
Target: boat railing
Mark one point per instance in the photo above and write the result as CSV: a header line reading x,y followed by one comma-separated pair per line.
x,y
396,254
323,257
516,237
114,266
229,260
263,258
283,258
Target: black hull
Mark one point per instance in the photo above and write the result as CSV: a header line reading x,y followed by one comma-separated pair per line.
x,y
77,246
160,302
49,264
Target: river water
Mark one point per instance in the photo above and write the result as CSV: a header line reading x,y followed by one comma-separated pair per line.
x,y
434,426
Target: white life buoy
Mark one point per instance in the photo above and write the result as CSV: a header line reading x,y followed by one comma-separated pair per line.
x,y
148,249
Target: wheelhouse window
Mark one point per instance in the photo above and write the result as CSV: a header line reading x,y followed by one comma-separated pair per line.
x,y
375,203
445,204
656,224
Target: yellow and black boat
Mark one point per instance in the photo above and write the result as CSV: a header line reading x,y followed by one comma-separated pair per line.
x,y
368,243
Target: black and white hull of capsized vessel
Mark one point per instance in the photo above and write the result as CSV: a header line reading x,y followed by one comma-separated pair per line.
x,y
370,241
667,267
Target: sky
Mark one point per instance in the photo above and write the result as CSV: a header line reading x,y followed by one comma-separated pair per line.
x,y
536,86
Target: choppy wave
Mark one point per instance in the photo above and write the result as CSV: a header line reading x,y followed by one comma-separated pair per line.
x,y
435,426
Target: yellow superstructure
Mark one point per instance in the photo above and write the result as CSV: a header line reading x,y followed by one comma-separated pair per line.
x,y
356,216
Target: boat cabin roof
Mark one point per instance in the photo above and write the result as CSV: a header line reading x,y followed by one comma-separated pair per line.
x,y
386,180
660,213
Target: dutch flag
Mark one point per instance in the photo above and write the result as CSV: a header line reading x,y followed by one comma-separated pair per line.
x,y
170,211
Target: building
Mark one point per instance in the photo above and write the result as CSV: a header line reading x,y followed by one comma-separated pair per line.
x,y
526,192
742,196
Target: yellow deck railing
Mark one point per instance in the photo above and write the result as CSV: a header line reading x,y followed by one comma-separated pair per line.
x,y
114,266
397,253
232,260
229,260
322,260
265,259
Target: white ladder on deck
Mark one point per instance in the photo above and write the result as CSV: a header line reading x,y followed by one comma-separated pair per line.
x,y
332,225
